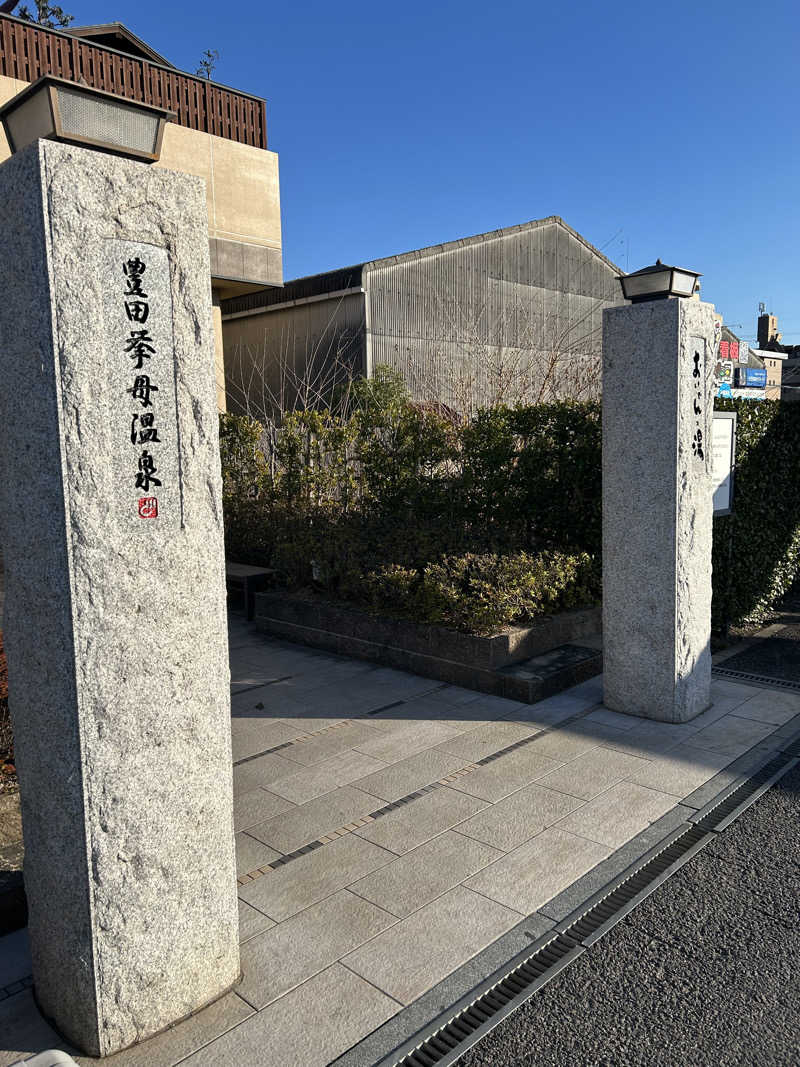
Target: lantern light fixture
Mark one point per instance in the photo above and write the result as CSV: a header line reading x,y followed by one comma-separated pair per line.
x,y
658,282
61,110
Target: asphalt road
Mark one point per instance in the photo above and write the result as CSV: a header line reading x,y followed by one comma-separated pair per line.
x,y
777,657
705,972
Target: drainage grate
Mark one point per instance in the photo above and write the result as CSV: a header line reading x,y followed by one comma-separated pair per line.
x,y
259,685
759,679
607,908
474,1016
471,1019
721,812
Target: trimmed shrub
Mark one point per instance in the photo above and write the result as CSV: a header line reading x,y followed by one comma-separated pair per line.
x,y
483,593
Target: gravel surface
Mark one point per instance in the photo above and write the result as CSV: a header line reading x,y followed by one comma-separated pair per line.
x,y
705,972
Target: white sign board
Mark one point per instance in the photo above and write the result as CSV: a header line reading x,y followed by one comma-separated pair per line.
x,y
723,451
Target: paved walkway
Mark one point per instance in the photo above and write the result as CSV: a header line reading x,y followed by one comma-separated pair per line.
x,y
389,829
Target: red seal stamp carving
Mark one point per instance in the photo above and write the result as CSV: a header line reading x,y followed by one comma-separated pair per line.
x,y
148,507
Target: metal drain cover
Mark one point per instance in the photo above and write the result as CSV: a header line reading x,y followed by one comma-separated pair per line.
x,y
757,679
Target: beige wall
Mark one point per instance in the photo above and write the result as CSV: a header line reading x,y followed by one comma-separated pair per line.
x,y
8,87
244,214
219,362
241,184
241,181
774,374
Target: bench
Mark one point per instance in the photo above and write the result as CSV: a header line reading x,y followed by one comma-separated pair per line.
x,y
248,580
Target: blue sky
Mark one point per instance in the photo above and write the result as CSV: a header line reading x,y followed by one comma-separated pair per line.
x,y
654,130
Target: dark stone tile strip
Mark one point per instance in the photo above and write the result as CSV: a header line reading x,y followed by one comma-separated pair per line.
x,y
387,707
16,987
393,805
305,737
299,740
259,685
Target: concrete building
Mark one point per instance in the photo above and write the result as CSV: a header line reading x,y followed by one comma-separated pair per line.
x,y
774,363
745,372
783,361
510,315
219,134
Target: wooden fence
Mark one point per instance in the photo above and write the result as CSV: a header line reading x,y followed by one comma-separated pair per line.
x,y
27,51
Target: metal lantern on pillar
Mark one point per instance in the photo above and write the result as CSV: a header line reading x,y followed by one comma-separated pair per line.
x,y
658,282
62,110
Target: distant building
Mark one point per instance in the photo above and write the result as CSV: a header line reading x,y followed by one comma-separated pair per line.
x,y
218,133
510,315
746,372
786,358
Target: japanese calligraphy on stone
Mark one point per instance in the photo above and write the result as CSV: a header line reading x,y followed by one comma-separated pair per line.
x,y
698,394
141,372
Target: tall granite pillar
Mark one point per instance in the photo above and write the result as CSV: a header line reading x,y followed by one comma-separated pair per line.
x,y
658,361
115,627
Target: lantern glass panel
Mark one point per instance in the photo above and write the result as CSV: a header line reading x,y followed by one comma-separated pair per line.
x,y
643,284
30,121
97,119
683,283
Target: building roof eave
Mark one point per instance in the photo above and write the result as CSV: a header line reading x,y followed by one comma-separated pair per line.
x,y
330,282
118,29
490,235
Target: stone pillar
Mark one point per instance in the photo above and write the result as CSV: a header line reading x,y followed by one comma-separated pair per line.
x,y
115,623
658,362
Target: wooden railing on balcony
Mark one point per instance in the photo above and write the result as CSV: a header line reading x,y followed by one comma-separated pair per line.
x,y
27,51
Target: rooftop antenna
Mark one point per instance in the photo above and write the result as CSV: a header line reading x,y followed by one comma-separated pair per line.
x,y
762,308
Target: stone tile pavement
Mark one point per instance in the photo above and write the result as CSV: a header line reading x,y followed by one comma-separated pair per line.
x,y
389,829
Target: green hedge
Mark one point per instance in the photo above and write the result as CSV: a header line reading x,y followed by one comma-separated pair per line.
x,y
392,491
756,555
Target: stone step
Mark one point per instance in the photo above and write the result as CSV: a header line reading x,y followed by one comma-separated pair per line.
x,y
548,674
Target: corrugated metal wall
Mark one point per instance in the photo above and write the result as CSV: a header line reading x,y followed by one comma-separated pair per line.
x,y
513,317
292,356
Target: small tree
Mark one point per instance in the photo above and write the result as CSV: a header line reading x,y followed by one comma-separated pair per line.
x,y
208,63
49,15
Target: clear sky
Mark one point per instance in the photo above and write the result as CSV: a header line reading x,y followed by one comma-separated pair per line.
x,y
655,130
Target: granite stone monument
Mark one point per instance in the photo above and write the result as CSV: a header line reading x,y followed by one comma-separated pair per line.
x,y
658,362
115,622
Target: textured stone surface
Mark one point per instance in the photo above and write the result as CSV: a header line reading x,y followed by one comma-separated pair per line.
x,y
299,1028
408,958
657,508
424,873
539,869
119,684
297,949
